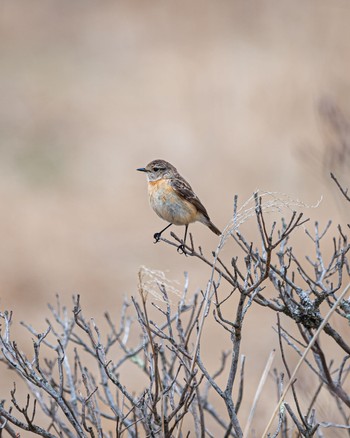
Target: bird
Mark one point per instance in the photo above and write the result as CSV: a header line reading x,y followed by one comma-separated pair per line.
x,y
173,199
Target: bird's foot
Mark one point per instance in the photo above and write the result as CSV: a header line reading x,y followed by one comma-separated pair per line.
x,y
156,237
181,249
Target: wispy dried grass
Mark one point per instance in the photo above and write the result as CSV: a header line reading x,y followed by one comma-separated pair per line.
x,y
271,202
155,282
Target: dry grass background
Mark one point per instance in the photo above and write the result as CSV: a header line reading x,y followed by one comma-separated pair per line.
x,y
227,91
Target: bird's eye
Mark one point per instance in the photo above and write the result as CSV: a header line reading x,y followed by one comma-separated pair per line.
x,y
155,169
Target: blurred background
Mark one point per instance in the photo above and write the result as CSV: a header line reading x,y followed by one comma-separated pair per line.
x,y
237,95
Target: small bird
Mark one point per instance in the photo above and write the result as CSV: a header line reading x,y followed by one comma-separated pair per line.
x,y
173,199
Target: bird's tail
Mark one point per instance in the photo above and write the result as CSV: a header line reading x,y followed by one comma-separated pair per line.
x,y
213,228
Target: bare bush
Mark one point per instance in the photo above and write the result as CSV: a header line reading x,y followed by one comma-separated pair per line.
x,y
76,382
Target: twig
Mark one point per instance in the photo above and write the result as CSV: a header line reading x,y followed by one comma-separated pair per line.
x,y
258,392
311,343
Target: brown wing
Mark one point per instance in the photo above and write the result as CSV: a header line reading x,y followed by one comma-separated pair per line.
x,y
183,189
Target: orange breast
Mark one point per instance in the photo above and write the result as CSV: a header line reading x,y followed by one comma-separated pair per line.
x,y
169,205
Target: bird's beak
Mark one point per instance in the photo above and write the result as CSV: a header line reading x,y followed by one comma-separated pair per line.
x,y
142,169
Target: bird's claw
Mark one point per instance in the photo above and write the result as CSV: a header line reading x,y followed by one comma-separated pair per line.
x,y
181,249
156,237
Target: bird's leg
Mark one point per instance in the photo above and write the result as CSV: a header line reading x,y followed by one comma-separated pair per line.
x,y
156,236
181,248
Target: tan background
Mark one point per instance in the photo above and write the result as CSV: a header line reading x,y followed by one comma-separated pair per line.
x,y
227,91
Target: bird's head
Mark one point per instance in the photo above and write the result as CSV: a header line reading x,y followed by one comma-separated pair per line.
x,y
158,169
